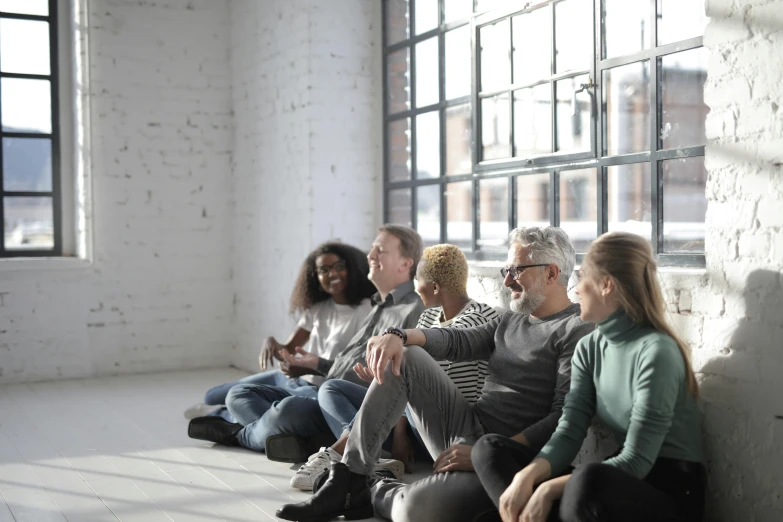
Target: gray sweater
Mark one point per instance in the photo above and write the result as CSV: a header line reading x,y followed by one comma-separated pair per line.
x,y
529,368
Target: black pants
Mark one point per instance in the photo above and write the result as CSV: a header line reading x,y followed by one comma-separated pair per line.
x,y
673,491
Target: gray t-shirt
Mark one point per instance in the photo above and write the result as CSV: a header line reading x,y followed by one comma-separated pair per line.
x,y
401,308
529,368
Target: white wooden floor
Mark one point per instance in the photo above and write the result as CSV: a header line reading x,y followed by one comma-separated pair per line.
x,y
116,448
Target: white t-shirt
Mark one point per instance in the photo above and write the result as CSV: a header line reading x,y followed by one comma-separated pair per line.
x,y
331,326
469,376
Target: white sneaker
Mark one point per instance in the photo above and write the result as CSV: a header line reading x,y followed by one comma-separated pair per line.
x,y
395,466
201,410
316,465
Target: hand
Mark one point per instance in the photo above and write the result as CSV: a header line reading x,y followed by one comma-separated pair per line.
x,y
270,350
455,458
539,505
380,351
402,445
303,363
515,498
363,372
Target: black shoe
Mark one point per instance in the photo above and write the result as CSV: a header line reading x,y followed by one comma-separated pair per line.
x,y
287,447
214,429
343,494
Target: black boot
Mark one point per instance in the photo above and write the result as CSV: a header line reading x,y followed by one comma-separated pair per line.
x,y
343,494
214,429
287,447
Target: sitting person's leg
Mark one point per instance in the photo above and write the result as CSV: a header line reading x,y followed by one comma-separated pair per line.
x,y
599,492
217,395
449,497
440,411
291,415
496,460
340,401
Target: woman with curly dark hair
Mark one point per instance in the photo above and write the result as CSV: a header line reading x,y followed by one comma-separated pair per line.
x,y
331,295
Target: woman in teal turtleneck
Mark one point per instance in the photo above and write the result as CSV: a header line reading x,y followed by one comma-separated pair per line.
x,y
634,373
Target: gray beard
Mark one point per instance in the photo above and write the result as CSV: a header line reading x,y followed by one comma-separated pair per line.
x,y
529,301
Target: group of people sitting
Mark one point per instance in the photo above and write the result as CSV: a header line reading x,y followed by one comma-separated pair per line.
x,y
400,358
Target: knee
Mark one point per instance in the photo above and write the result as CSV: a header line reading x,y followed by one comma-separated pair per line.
x,y
486,447
581,495
239,392
414,505
329,389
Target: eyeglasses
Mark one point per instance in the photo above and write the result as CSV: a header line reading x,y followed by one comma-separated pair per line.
x,y
516,271
325,269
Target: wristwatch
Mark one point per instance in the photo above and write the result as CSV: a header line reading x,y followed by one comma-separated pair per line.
x,y
399,332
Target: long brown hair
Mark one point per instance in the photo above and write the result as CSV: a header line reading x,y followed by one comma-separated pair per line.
x,y
628,260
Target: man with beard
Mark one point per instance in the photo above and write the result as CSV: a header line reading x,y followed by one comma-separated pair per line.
x,y
529,351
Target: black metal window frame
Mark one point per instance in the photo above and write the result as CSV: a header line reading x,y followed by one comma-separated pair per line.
x,y
56,193
554,163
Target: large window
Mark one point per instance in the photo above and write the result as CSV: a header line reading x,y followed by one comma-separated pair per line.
x,y
30,202
584,114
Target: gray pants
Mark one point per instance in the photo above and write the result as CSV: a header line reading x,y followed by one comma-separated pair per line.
x,y
444,417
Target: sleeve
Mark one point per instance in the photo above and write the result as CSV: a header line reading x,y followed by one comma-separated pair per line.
x,y
537,434
307,319
659,380
578,412
461,344
324,365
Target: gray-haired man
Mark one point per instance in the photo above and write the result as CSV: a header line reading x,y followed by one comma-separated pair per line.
x,y
529,351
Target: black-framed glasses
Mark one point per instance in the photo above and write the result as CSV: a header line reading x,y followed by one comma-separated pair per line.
x,y
516,271
325,269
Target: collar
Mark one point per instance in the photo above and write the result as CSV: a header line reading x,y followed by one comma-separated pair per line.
x,y
395,296
617,326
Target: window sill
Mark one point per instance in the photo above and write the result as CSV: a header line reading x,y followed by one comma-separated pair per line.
x,y
43,264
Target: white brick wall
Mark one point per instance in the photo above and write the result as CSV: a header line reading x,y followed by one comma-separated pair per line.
x,y
306,79
158,296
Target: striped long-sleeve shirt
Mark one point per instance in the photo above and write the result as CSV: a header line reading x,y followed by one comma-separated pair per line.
x,y
469,376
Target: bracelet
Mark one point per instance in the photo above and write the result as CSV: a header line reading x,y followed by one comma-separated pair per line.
x,y
399,332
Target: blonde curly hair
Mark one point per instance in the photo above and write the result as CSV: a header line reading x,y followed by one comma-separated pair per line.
x,y
447,266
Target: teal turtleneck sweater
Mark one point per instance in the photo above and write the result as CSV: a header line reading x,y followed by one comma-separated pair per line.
x,y
634,378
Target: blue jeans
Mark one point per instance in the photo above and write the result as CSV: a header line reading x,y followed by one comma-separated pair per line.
x,y
217,395
266,410
340,402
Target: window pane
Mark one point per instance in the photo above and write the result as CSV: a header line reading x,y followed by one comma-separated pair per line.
x,y
626,26
24,46
533,200
427,86
457,9
459,212
399,210
27,164
428,214
495,56
629,199
573,114
458,137
495,127
399,143
428,145
458,62
493,218
579,206
532,53
573,35
680,20
399,77
396,21
683,111
684,204
29,223
26,105
627,105
31,7
533,121
426,15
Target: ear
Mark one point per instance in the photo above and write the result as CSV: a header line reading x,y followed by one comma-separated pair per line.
x,y
553,272
435,288
406,265
607,286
